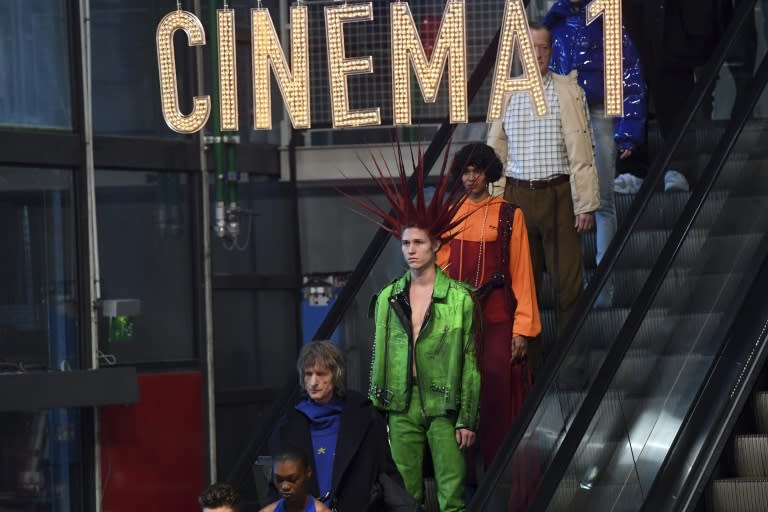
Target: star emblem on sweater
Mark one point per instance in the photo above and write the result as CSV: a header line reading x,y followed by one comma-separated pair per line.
x,y
321,451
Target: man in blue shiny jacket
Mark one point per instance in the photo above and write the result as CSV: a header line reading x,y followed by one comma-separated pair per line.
x,y
579,46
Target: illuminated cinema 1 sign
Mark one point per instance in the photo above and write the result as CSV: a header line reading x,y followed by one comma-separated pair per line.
x,y
408,53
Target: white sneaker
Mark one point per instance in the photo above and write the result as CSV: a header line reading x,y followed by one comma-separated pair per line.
x,y
627,184
675,182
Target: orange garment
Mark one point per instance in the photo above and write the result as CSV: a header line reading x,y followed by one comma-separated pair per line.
x,y
473,229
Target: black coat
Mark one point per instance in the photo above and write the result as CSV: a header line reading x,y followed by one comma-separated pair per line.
x,y
690,29
362,453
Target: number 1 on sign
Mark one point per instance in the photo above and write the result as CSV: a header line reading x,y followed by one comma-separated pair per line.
x,y
612,53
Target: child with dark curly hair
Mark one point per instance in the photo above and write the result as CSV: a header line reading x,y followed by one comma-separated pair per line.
x,y
220,498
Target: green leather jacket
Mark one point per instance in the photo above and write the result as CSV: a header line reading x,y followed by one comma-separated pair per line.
x,y
448,378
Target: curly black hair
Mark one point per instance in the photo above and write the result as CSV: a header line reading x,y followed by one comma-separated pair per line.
x,y
289,451
480,156
220,495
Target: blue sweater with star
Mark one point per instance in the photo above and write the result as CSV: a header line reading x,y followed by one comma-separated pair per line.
x,y
325,420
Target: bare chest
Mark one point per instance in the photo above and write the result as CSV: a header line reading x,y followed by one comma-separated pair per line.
x,y
420,299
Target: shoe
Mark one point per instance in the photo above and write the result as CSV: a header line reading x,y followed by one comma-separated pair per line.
x,y
675,182
627,184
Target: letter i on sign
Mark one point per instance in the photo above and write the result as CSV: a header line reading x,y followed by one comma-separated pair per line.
x,y
225,19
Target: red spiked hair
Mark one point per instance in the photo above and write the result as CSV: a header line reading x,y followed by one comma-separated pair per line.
x,y
409,208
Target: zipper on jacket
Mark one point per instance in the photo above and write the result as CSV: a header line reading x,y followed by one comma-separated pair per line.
x,y
424,325
406,322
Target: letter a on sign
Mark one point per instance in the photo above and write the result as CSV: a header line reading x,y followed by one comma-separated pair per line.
x,y
514,31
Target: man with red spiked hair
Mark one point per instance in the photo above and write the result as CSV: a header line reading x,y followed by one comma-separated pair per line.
x,y
424,373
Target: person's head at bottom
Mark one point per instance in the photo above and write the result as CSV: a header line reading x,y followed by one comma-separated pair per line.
x,y
220,498
291,472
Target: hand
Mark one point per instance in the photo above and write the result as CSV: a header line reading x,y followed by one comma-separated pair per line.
x,y
518,349
464,438
624,154
584,222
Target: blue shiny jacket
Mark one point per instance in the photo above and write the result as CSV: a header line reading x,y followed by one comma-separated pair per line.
x,y
579,46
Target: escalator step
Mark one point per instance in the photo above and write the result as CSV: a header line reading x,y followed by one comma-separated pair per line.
x,y
661,213
558,408
678,329
761,411
627,282
639,368
430,496
644,247
733,174
565,494
739,494
598,323
751,455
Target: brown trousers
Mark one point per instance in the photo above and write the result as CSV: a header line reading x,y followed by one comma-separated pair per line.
x,y
555,244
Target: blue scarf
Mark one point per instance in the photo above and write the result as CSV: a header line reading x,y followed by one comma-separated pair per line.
x,y
325,421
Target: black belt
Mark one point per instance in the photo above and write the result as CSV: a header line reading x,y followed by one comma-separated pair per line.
x,y
538,184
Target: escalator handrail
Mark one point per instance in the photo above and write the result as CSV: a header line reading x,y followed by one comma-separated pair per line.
x,y
616,248
626,336
671,471
707,427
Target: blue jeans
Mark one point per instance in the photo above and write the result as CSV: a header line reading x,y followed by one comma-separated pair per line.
x,y
605,216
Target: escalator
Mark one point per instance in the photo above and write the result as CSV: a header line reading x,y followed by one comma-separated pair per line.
x,y
618,420
609,413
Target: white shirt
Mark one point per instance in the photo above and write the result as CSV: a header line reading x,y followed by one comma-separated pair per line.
x,y
536,148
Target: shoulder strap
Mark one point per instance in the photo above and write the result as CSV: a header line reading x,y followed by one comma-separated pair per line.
x,y
506,217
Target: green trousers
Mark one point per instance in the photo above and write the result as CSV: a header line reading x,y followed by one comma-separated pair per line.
x,y
410,432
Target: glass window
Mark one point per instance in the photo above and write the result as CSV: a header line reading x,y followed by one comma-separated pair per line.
x,y
34,64
126,87
40,466
146,254
38,302
39,450
256,338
